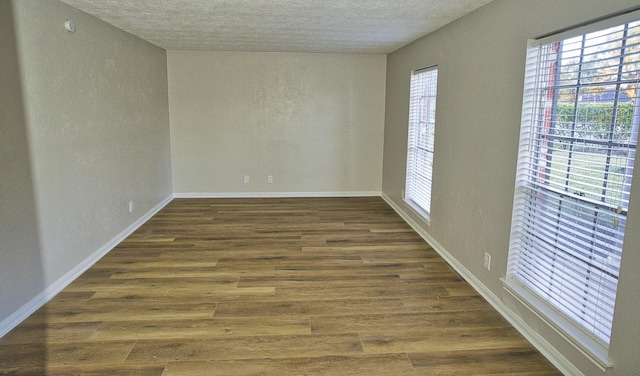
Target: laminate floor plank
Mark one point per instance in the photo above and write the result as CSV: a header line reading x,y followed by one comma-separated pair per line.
x,y
224,294
355,365
406,322
224,327
514,361
435,339
279,307
309,345
278,286
416,249
161,273
361,291
160,282
445,304
64,353
324,280
123,369
460,288
345,265
53,332
166,265
133,309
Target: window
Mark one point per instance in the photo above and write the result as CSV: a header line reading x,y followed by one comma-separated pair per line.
x,y
581,112
422,122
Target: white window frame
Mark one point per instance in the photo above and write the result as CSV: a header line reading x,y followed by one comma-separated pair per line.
x,y
595,345
421,137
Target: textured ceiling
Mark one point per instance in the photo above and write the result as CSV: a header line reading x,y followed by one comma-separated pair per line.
x,y
337,26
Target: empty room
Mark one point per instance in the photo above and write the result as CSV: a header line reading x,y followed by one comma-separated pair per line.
x,y
297,187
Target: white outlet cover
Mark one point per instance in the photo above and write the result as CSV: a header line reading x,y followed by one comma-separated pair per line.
x,y
487,261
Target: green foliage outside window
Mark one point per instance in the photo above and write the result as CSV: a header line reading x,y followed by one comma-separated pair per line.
x,y
593,121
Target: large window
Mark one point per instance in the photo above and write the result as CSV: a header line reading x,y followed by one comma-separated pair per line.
x,y
422,122
578,144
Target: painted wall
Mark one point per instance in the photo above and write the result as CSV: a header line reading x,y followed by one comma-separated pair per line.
x,y
94,135
312,121
20,264
481,72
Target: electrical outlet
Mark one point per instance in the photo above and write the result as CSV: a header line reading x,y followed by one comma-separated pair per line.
x,y
487,261
246,179
130,206
270,179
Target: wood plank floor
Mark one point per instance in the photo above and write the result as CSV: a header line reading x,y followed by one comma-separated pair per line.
x,y
314,286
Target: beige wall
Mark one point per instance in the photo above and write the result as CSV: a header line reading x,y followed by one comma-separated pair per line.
x,y
481,72
312,121
20,265
94,135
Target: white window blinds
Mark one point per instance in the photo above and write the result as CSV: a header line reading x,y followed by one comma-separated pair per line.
x,y
422,121
579,133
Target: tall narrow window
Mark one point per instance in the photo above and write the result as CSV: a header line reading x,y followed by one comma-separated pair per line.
x,y
422,122
581,113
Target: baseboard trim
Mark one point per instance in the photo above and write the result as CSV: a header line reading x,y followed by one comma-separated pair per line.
x,y
542,345
51,291
276,194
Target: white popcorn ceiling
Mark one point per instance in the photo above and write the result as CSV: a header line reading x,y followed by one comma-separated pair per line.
x,y
334,26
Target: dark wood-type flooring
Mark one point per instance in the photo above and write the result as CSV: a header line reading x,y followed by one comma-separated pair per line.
x,y
313,286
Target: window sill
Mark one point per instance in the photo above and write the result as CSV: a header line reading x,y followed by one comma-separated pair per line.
x,y
417,210
584,342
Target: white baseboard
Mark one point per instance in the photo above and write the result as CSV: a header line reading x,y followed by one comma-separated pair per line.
x,y
276,194
43,297
542,345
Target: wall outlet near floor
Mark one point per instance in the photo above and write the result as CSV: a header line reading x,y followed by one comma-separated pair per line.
x,y
130,206
269,179
487,261
246,179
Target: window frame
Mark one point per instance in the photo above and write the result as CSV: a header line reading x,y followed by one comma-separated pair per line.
x,y
421,140
595,347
